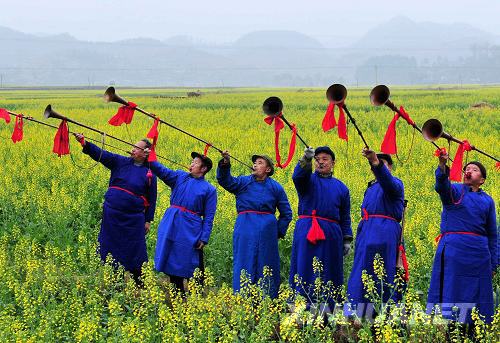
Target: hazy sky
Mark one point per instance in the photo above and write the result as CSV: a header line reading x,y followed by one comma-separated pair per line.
x,y
226,20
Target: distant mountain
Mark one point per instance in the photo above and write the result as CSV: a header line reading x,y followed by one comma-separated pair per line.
x,y
404,36
62,60
6,33
280,58
183,40
277,39
398,51
140,41
61,37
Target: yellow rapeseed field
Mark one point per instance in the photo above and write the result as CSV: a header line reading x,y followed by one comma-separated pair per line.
x,y
53,288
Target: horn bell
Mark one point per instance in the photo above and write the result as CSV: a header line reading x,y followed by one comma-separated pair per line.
x,y
272,106
432,130
336,93
380,95
50,113
111,96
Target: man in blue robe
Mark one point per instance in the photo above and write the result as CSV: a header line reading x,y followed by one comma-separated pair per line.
x,y
129,205
187,224
379,231
256,231
323,229
467,252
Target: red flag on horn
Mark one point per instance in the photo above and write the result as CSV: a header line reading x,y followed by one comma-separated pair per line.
x,y
17,134
124,115
4,115
61,140
153,134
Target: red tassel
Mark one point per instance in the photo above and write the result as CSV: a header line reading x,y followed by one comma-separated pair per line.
x,y
497,166
438,238
124,115
17,134
406,116
153,134
389,143
366,216
405,262
152,154
315,233
278,126
342,128
278,122
440,152
61,140
149,176
456,167
329,119
5,115
205,151
291,149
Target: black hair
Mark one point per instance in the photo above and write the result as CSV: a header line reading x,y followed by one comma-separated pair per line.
x,y
205,160
148,143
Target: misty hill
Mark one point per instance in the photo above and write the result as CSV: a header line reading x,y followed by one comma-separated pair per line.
x,y
279,58
422,40
398,51
277,39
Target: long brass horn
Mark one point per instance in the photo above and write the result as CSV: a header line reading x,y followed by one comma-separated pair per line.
x,y
432,130
55,127
50,113
336,94
111,96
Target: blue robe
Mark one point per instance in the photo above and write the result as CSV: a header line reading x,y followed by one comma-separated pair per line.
x,y
463,265
180,229
124,215
377,235
255,237
330,198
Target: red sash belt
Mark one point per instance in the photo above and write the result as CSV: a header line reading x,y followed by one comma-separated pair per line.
x,y
367,216
315,232
252,211
438,238
183,209
146,202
